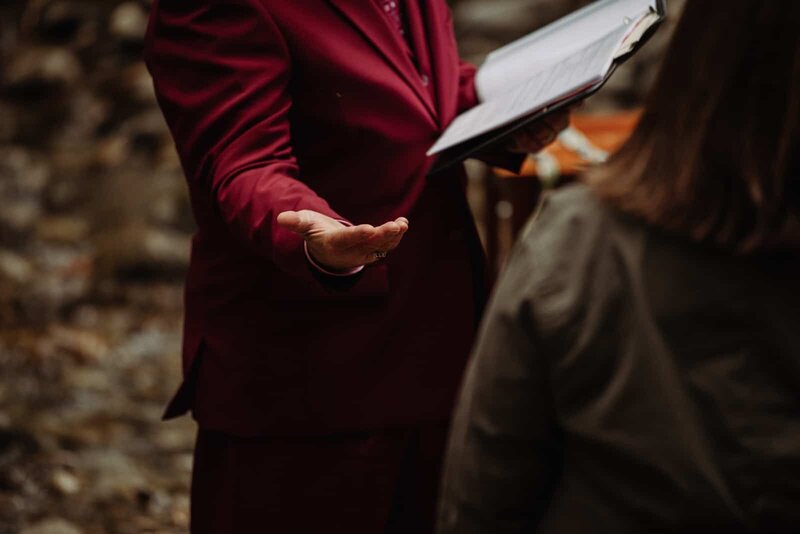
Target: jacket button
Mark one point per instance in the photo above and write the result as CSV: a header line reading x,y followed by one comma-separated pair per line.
x,y
425,80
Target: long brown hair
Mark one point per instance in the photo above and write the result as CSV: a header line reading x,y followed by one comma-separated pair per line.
x,y
716,154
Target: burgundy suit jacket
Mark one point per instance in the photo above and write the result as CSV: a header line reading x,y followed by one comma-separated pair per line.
x,y
280,105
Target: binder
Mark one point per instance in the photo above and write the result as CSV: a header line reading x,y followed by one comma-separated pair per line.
x,y
549,70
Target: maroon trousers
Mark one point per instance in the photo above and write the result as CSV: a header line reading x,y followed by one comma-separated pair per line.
x,y
370,483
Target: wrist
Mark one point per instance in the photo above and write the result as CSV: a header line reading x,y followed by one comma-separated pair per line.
x,y
330,271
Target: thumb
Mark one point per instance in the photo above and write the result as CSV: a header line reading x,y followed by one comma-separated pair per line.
x,y
297,222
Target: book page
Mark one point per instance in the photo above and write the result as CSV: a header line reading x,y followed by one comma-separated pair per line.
x,y
581,70
636,34
514,63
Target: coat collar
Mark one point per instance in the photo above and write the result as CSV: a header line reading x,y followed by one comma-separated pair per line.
x,y
374,25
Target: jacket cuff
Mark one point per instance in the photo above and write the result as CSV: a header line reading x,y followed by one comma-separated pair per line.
x,y
323,270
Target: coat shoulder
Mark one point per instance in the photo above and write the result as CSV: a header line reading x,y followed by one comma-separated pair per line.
x,y
572,229
576,253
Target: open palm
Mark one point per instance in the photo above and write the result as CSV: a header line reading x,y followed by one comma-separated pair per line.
x,y
340,247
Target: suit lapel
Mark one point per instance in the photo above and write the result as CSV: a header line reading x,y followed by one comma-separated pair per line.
x,y
445,66
373,24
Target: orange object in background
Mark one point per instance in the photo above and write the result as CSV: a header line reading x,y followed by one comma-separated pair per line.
x,y
607,132
510,198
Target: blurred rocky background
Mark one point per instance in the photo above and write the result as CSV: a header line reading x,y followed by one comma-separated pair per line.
x,y
94,241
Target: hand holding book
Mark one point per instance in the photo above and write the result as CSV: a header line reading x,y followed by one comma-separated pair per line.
x,y
536,136
548,71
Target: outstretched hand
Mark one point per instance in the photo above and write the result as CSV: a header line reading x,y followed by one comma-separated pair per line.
x,y
339,247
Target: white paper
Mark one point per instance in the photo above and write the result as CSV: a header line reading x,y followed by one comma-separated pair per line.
x,y
511,65
582,69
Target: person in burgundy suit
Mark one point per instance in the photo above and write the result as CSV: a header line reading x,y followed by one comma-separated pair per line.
x,y
320,368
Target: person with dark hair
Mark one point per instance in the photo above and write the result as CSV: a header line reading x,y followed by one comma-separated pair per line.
x,y
334,287
638,369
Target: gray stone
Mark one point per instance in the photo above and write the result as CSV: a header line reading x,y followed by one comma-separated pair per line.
x,y
65,482
128,21
43,66
115,475
15,268
62,229
9,123
23,176
63,21
51,526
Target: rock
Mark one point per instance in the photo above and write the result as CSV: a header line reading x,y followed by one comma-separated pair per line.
x,y
15,444
66,22
180,512
51,526
65,277
5,420
63,229
136,250
85,346
63,194
156,503
174,438
170,249
88,380
23,176
146,132
9,123
146,344
20,217
65,482
43,69
128,21
134,83
25,170
86,113
112,151
115,475
15,268
184,462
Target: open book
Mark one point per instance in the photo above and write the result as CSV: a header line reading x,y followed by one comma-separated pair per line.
x,y
550,69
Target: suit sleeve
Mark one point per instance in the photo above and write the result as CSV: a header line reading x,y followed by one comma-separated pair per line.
x,y
221,71
467,92
503,456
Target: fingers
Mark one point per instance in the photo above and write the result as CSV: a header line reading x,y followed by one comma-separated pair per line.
x,y
530,140
386,238
365,240
392,235
546,136
306,222
340,246
535,137
558,122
